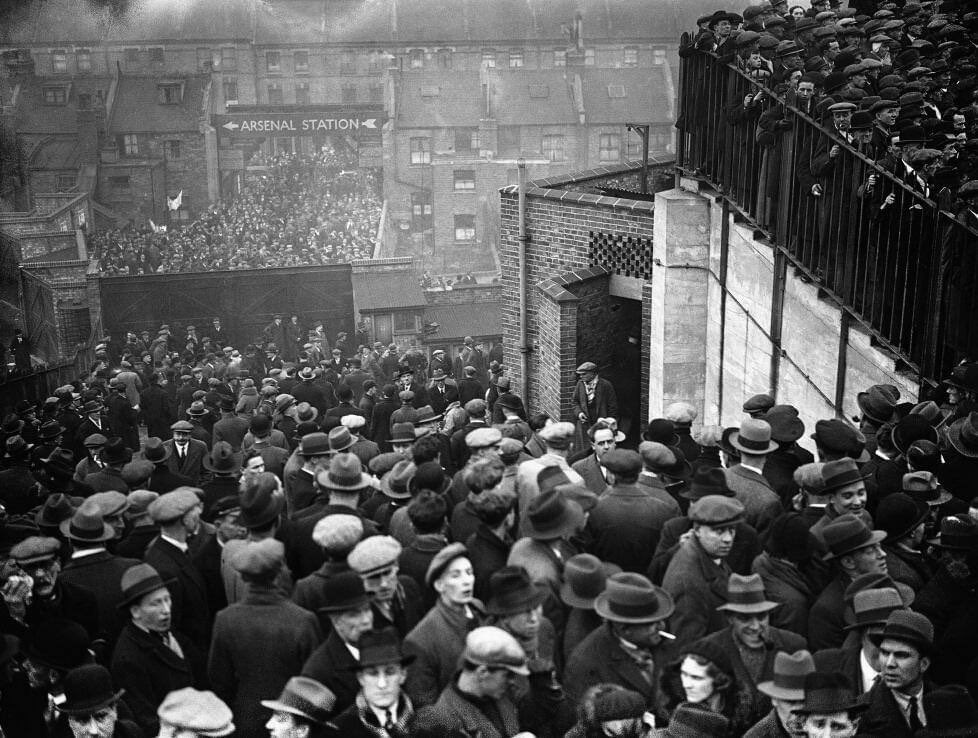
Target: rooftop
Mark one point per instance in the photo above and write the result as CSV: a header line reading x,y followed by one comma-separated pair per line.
x,y
138,108
469,319
387,290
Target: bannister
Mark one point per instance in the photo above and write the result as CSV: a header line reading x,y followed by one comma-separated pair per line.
x,y
893,259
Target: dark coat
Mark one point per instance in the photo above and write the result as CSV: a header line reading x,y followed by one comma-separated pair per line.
x,y
163,480
784,583
136,541
193,464
826,620
590,470
415,559
698,586
106,480
761,503
332,665
488,553
151,670
842,660
604,404
442,397
302,554
884,716
768,727
462,714
310,593
101,574
68,601
380,423
406,608
625,526
258,644
469,389
232,429
190,613
20,492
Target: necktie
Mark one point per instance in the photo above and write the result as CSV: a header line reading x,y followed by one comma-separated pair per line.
x,y
389,722
913,716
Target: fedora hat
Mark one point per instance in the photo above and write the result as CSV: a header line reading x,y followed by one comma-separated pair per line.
x,y
61,463
899,514
196,409
304,412
340,439
873,606
380,646
951,713
846,534
259,506
585,577
115,452
397,482
746,595
86,525
786,426
306,698
707,480
57,508
50,430
907,626
438,373
155,451
402,433
840,473
790,670
551,515
963,377
958,533
512,592
223,459
962,434
753,437
912,428
88,689
827,693
878,402
314,444
343,591
345,474
138,581
632,598
923,487
930,411
283,402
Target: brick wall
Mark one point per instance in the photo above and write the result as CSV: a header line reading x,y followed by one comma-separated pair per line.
x,y
464,294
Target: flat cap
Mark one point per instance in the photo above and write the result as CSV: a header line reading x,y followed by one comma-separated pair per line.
x,y
716,510
338,532
759,403
110,503
680,412
842,107
483,438
374,554
587,366
622,461
494,647
139,501
35,549
182,425
259,558
96,439
202,713
558,435
969,189
174,505
443,559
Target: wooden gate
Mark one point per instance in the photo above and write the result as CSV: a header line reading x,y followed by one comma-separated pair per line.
x,y
38,315
245,300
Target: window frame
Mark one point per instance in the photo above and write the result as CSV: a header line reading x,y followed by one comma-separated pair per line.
x,y
270,67
59,61
420,150
300,67
609,142
84,67
463,180
552,146
464,227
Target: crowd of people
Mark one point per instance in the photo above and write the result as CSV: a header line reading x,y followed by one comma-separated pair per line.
x,y
196,545
298,210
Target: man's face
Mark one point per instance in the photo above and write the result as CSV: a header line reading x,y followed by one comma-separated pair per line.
x,y
525,625
849,499
833,725
153,611
841,119
351,624
749,629
806,90
604,441
858,80
191,519
646,635
722,29
181,436
588,376
253,467
282,725
902,665
869,560
717,541
831,51
99,724
383,585
793,62
45,574
791,722
494,683
887,116
381,684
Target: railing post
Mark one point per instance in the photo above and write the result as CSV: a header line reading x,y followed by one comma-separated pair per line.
x,y
777,316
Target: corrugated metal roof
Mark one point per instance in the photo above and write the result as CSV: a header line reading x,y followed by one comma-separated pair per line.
x,y
387,290
470,319
138,109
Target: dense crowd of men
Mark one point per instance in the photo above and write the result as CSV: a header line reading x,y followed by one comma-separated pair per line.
x,y
301,209
337,546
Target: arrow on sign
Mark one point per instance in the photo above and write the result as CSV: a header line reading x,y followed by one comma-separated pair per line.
x,y
230,126
370,123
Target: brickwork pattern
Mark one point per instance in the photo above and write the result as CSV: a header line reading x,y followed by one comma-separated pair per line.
x,y
629,256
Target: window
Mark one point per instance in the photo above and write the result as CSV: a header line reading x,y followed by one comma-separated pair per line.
x,y
609,147
560,57
119,182
156,54
659,56
273,61
430,90
515,58
416,58
630,57
171,150
59,61
509,140
348,93
132,56
205,59
617,91
489,58
230,89
183,212
129,143
66,182
464,227
376,63
464,180
301,61
444,58
466,139
229,59
275,94
633,147
83,58
405,323
377,93
421,209
552,147
348,62
660,139
421,150
169,94
301,93
589,57
55,95
84,100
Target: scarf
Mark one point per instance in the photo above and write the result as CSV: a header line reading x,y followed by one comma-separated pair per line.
x,y
368,719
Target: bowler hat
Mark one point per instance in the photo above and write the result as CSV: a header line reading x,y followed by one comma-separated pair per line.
x,y
951,712
827,693
155,451
745,594
661,430
86,525
380,646
512,592
260,505
345,474
88,689
343,591
962,434
60,463
585,577
899,514
632,598
138,581
707,480
58,643
912,428
958,533
846,534
115,452
788,681
753,437
550,515
907,626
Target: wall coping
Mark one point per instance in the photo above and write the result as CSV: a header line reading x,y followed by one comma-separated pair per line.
x,y
556,287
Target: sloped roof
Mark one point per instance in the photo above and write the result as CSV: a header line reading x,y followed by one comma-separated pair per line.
x,y
515,103
463,89
137,107
36,116
470,319
58,153
646,96
387,290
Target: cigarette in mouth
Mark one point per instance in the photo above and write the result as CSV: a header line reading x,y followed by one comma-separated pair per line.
x,y
666,634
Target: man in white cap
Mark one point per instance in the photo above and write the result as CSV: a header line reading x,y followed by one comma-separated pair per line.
x,y
190,713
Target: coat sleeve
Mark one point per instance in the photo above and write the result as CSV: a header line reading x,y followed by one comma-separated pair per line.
x,y
220,665
422,679
689,621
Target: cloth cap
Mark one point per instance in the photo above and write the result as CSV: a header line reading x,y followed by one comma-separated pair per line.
x,y
35,549
715,510
495,648
110,503
587,366
174,505
200,712
95,440
846,534
689,721
140,500
373,555
622,461
259,558
483,438
182,425
338,533
759,403
557,435
442,560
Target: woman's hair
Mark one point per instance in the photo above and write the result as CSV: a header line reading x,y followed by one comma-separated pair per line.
x,y
722,681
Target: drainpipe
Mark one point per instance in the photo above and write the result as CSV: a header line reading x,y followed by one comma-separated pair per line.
x,y
523,238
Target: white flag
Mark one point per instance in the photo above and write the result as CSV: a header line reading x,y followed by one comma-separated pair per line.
x,y
176,202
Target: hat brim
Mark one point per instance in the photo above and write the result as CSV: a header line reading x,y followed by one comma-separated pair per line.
x,y
780,693
861,478
936,543
954,438
734,441
404,660
364,482
920,644
167,453
351,444
537,598
265,516
129,599
277,706
344,606
572,599
235,460
755,609
108,533
876,536
569,522
68,709
602,608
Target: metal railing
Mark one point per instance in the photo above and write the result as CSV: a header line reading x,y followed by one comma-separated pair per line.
x,y
895,260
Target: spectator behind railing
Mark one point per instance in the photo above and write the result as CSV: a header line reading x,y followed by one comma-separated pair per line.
x,y
304,209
